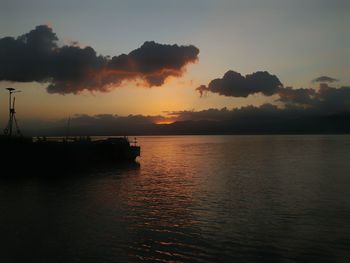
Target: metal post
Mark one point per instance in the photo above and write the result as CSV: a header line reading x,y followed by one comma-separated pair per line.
x,y
8,130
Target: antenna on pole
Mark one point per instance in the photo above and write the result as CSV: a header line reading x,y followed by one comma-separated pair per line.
x,y
12,114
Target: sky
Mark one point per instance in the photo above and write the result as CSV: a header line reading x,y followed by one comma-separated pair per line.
x,y
297,41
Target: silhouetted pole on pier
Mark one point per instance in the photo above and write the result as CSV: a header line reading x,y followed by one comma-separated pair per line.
x,y
12,114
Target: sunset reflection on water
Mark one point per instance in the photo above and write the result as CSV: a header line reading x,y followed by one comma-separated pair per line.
x,y
191,199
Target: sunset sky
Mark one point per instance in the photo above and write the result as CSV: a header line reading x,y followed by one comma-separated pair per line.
x,y
297,41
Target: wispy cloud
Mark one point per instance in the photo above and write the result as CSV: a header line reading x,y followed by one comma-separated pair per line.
x,y
325,79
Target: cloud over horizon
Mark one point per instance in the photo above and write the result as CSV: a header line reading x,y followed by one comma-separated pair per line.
x,y
325,79
266,118
35,56
304,110
235,85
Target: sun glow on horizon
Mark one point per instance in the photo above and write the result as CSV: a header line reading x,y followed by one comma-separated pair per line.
x,y
164,122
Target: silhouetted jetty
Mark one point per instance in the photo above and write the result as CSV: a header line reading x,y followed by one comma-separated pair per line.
x,y
68,153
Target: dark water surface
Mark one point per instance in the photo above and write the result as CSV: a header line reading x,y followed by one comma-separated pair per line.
x,y
192,199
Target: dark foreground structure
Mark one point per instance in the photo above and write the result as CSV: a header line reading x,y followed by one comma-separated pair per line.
x,y
67,154
21,154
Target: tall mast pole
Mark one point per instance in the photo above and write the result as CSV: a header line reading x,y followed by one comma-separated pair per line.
x,y
8,130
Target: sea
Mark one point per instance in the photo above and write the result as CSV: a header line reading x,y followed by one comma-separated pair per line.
x,y
251,198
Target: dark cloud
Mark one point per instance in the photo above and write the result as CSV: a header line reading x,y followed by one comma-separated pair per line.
x,y
35,56
235,85
325,79
331,99
29,57
325,99
202,89
152,57
296,96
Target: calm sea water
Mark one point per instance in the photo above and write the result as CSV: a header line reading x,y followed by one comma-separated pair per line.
x,y
192,199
